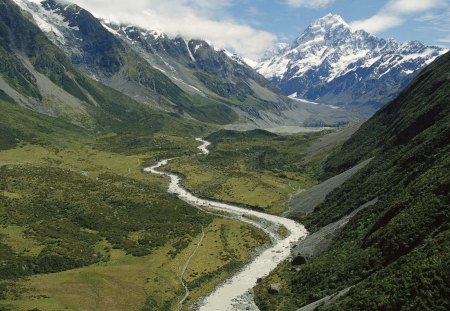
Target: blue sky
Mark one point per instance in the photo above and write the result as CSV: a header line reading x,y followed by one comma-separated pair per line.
x,y
249,27
288,22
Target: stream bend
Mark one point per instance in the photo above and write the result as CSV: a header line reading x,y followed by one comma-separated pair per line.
x,y
233,294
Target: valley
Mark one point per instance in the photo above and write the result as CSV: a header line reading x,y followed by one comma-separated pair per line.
x,y
232,293
132,261
320,181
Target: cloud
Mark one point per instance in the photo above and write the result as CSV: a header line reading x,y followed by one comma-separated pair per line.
x,y
191,19
309,3
378,22
444,40
412,6
438,24
395,13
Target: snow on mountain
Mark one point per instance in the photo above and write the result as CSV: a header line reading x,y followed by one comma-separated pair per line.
x,y
46,20
59,19
53,17
332,63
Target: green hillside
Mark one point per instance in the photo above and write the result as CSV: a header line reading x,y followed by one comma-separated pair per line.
x,y
395,254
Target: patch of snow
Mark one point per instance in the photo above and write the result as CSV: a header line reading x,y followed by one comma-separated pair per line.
x,y
294,97
167,64
197,47
189,51
157,33
234,57
44,19
250,62
274,68
114,32
189,85
159,68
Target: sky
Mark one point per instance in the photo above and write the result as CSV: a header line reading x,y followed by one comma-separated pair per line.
x,y
250,27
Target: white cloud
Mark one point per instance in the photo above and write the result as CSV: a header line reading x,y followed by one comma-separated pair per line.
x,y
309,3
412,6
193,19
395,13
444,40
378,22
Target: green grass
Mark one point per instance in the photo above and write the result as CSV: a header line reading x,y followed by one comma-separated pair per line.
x,y
126,282
257,169
110,235
18,124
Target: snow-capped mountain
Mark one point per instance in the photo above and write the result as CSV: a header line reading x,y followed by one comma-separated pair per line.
x,y
334,64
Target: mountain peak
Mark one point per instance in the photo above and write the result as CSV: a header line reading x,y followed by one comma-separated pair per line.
x,y
330,26
332,64
330,21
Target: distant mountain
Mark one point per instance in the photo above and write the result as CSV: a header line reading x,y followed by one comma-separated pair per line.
x,y
196,64
331,63
187,77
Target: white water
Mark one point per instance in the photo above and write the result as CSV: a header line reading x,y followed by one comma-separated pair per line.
x,y
233,294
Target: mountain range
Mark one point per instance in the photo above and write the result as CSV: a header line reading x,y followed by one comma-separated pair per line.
x,y
331,75
334,64
185,77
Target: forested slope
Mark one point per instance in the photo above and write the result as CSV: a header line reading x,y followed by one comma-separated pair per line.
x,y
394,254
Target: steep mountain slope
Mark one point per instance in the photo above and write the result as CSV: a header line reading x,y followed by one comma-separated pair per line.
x,y
331,63
36,74
200,69
98,53
394,253
196,61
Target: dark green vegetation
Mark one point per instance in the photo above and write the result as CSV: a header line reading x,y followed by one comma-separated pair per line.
x,y
263,151
396,253
68,213
22,125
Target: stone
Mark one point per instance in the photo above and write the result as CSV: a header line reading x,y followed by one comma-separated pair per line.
x,y
298,261
275,288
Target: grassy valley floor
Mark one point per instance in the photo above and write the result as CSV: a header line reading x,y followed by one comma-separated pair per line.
x,y
83,228
129,282
258,169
